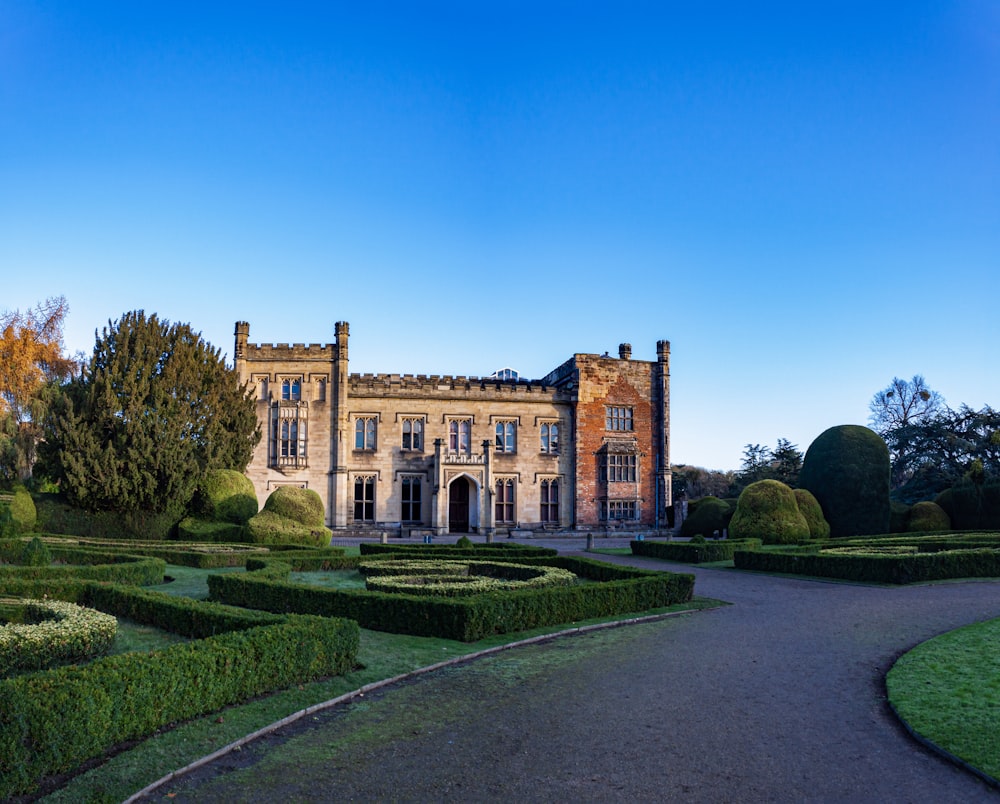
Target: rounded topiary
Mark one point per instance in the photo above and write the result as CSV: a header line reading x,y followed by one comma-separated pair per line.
x,y
225,495
300,505
928,516
21,514
811,510
847,470
767,510
269,528
709,515
465,541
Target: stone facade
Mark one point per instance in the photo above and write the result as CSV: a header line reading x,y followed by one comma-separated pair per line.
x,y
587,446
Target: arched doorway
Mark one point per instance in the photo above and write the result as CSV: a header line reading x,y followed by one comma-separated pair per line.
x,y
458,505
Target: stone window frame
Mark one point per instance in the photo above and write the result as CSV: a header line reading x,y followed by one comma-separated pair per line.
x,y
411,482
455,440
505,500
412,419
627,510
505,430
369,434
547,445
549,507
619,418
364,503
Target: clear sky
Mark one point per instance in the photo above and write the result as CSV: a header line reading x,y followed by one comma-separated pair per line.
x,y
802,197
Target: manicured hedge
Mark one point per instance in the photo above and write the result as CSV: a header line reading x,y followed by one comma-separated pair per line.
x,y
616,590
45,633
491,551
693,552
82,562
939,558
51,722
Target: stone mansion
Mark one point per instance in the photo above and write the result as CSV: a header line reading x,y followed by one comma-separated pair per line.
x,y
585,447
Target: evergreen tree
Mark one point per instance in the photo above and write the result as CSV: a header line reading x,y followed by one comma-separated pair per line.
x,y
153,410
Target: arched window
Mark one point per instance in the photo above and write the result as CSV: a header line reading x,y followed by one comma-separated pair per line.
x,y
550,501
506,441
504,501
364,433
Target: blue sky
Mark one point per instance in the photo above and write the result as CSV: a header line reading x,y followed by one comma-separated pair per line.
x,y
804,198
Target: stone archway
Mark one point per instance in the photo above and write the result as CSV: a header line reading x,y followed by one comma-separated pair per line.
x,y
463,505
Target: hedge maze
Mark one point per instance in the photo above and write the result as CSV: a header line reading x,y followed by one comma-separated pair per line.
x,y
258,633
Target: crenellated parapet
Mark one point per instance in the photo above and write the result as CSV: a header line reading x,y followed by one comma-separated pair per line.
x,y
447,386
285,351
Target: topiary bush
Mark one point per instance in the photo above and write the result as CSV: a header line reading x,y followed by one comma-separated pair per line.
x,y
225,495
709,515
928,516
290,516
810,508
767,510
20,511
847,470
300,505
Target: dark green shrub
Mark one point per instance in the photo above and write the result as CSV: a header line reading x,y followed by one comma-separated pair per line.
x,y
971,505
810,508
709,516
36,554
693,552
193,529
899,516
225,495
847,470
20,509
767,510
268,527
291,516
464,542
928,516
300,505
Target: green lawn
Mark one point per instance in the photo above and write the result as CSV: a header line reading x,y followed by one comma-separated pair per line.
x,y
948,691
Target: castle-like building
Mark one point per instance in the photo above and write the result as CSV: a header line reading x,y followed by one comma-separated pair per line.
x,y
585,447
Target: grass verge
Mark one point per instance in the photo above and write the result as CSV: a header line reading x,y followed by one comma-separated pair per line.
x,y
947,690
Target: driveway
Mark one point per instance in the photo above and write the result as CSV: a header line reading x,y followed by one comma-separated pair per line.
x,y
778,697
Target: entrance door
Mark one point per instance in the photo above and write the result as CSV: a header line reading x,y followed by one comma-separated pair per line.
x,y
458,506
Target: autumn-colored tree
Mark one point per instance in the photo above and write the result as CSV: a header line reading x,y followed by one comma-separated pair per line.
x,y
31,362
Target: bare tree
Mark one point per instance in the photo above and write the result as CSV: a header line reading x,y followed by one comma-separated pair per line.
x,y
903,403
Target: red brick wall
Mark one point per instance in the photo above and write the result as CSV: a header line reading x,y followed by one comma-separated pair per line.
x,y
605,381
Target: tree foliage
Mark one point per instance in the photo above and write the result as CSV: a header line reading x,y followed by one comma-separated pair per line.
x,y
695,482
31,360
941,450
154,409
847,470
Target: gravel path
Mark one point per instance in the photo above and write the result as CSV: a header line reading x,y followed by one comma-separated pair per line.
x,y
778,697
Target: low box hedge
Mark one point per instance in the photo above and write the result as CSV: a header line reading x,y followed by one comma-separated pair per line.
x,y
939,558
52,721
82,562
693,552
614,590
491,551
